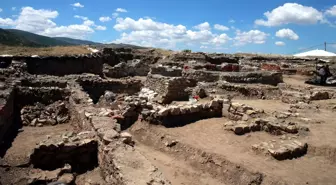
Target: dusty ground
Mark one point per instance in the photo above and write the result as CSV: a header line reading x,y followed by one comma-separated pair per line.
x,y
43,51
181,164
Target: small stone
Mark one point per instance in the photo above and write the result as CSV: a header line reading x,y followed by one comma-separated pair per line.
x,y
238,129
66,178
40,125
250,112
163,112
33,123
171,143
110,135
245,117
127,138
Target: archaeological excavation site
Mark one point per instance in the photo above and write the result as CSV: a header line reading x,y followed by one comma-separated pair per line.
x,y
138,117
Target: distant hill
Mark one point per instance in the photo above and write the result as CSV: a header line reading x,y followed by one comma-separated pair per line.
x,y
112,45
13,37
76,41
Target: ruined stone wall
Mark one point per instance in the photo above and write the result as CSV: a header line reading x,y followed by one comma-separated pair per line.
x,y
6,112
65,65
170,89
96,88
134,67
45,95
271,78
201,76
166,71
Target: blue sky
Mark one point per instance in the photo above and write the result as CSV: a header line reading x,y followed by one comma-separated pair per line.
x,y
263,26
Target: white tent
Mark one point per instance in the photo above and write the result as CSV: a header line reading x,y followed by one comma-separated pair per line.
x,y
316,53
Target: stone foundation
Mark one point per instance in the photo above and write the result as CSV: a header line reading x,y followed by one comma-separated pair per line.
x,y
169,89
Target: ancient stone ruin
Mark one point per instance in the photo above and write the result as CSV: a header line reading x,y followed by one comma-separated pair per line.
x,y
135,116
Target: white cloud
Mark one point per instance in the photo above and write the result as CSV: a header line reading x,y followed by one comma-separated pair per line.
x,y
287,33
100,28
0,10
78,5
291,13
115,15
331,11
147,32
280,43
220,39
232,21
7,22
13,8
81,17
41,22
73,31
35,20
204,47
221,27
252,36
203,26
105,19
121,10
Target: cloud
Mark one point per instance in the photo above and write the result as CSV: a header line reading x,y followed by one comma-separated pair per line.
x,y
0,10
252,36
291,13
81,17
121,10
40,21
13,8
221,27
232,21
280,43
105,19
146,32
100,28
287,33
35,21
331,11
204,47
203,26
115,15
78,5
7,22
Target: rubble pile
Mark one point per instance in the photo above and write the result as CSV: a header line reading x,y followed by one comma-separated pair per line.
x,y
271,125
282,150
41,115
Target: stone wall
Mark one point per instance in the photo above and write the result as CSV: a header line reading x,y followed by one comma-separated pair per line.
x,y
65,65
271,78
170,89
202,76
96,88
134,67
6,112
166,71
173,116
46,95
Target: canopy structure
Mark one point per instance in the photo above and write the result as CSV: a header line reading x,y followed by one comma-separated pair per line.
x,y
316,53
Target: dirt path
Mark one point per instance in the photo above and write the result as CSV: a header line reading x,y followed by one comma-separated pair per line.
x,y
177,171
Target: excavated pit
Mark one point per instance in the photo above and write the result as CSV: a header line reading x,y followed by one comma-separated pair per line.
x,y
82,157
